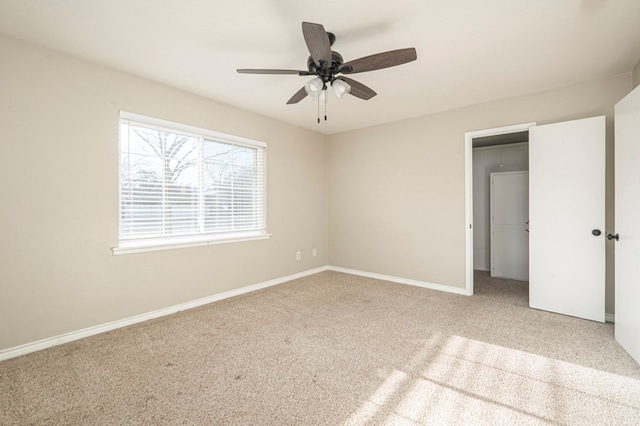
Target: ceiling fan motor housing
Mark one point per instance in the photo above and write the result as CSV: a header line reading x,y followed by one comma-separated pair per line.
x,y
326,73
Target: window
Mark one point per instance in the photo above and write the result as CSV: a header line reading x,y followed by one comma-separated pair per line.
x,y
183,186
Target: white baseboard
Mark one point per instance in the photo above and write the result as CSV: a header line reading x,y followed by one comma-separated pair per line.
x,y
91,331
610,318
423,284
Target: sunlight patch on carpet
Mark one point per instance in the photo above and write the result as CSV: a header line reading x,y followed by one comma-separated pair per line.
x,y
460,380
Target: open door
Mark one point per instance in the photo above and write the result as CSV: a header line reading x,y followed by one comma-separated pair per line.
x,y
567,218
627,157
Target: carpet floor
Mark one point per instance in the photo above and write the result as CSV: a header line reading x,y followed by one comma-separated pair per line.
x,y
335,349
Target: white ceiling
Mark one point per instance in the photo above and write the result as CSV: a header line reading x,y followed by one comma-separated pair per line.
x,y
469,51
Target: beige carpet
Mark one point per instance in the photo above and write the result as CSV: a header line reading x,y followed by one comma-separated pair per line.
x,y
335,349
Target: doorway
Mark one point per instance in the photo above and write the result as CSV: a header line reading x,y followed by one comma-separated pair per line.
x,y
499,149
500,204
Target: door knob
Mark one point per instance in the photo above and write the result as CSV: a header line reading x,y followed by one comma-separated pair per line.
x,y
596,232
613,237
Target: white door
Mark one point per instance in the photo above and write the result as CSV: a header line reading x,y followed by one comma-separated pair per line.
x,y
627,124
509,214
566,210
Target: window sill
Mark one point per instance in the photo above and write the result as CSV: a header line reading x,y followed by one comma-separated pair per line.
x,y
170,243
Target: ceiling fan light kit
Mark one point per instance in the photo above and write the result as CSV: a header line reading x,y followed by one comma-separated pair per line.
x,y
325,65
314,87
340,87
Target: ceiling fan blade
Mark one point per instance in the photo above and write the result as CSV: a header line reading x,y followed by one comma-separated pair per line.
x,y
263,71
379,61
297,97
317,42
358,89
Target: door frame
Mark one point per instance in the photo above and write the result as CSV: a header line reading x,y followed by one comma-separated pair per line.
x,y
468,188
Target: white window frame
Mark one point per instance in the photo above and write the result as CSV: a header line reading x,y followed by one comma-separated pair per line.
x,y
137,245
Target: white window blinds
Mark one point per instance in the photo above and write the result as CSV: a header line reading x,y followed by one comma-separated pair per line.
x,y
177,180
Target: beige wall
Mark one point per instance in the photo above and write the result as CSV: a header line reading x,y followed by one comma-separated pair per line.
x,y
59,209
393,194
397,195
636,75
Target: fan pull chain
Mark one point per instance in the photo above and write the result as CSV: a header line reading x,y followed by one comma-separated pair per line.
x,y
323,94
325,105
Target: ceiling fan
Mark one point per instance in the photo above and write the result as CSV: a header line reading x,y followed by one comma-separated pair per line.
x,y
325,64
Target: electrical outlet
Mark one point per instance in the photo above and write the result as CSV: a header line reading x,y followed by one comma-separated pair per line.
x,y
298,255
313,252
